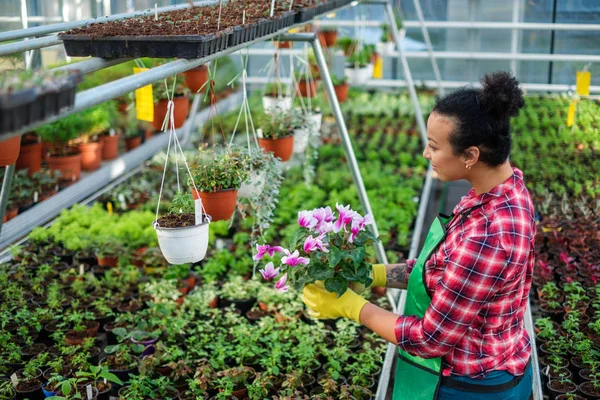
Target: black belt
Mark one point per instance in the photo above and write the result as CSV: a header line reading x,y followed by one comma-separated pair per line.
x,y
448,381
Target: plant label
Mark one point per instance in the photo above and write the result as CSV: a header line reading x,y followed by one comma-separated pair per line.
x,y
81,269
121,198
14,379
219,244
112,132
90,394
259,133
144,103
35,196
584,78
105,381
109,208
198,211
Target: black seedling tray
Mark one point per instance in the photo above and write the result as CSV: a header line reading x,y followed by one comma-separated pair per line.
x,y
188,46
243,34
305,15
26,107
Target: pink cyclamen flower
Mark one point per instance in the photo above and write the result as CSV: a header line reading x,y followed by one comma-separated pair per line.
x,y
270,272
306,219
311,244
358,224
294,259
345,218
266,249
323,214
281,286
323,228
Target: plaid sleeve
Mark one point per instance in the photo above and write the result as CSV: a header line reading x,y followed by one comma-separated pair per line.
x,y
472,276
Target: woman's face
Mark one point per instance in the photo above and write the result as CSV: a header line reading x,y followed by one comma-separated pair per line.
x,y
448,165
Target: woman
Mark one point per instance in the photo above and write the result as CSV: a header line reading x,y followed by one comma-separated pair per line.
x,y
462,335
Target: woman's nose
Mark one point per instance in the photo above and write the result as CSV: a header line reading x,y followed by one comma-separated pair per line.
x,y
426,153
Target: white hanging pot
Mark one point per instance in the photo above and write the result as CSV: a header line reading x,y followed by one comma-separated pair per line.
x,y
183,245
301,136
253,186
316,120
385,49
276,104
359,76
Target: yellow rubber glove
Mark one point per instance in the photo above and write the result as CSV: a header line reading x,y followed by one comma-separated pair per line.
x,y
379,279
326,305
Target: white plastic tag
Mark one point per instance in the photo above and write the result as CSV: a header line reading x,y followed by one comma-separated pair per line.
x,y
14,379
198,211
35,196
81,271
219,244
121,198
90,394
259,133
112,132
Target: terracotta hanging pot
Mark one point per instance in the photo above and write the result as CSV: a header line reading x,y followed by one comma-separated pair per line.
x,y
133,142
30,158
110,147
9,151
10,214
307,89
220,205
182,107
328,38
283,45
341,92
196,78
282,147
69,166
91,155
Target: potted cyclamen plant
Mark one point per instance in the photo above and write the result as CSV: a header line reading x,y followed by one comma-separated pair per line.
x,y
218,178
183,232
323,249
277,135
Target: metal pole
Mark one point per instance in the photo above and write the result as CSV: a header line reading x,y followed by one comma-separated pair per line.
x,y
407,75
25,23
343,131
91,65
5,192
552,37
434,64
30,44
514,38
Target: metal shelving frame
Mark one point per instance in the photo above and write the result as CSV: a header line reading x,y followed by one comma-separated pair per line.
x,y
125,85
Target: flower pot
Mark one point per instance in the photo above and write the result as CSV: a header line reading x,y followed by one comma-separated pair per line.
x,y
385,49
91,156
243,305
10,214
557,387
9,151
220,205
69,166
149,347
341,92
180,113
196,78
108,261
183,245
282,147
253,186
316,120
30,158
301,136
328,38
122,374
358,76
307,89
132,143
110,147
283,45
273,104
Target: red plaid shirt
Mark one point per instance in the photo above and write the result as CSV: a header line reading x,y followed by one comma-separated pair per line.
x,y
479,280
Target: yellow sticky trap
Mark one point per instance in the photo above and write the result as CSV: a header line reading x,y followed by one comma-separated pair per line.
x,y
584,79
109,208
571,114
378,68
144,102
294,30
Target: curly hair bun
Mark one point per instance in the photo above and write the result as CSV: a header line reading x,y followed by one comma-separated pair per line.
x,y
501,95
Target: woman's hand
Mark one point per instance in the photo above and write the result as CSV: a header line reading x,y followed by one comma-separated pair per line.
x,y
326,305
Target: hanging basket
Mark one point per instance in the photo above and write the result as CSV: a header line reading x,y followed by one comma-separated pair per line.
x,y
301,137
9,151
182,107
358,76
279,104
282,147
385,49
341,92
183,245
196,78
316,120
220,205
253,186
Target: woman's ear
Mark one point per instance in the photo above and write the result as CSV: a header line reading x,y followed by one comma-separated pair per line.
x,y
471,156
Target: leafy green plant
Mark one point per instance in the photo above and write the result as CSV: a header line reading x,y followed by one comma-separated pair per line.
x,y
219,172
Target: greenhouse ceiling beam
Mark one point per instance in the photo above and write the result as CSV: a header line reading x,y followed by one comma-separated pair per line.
x,y
31,18
87,186
25,45
469,25
91,65
425,32
46,29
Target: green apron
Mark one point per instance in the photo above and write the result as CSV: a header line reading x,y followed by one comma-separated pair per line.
x,y
418,378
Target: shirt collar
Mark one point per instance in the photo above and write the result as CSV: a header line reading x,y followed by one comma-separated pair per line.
x,y
471,199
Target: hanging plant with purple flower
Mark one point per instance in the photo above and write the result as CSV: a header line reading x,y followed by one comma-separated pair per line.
x,y
325,248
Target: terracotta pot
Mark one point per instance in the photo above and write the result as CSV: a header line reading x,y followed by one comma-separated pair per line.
x,y
110,147
10,214
122,107
108,261
149,134
30,158
9,151
69,166
196,78
182,107
307,90
133,142
220,205
328,38
283,45
341,92
282,147
91,156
